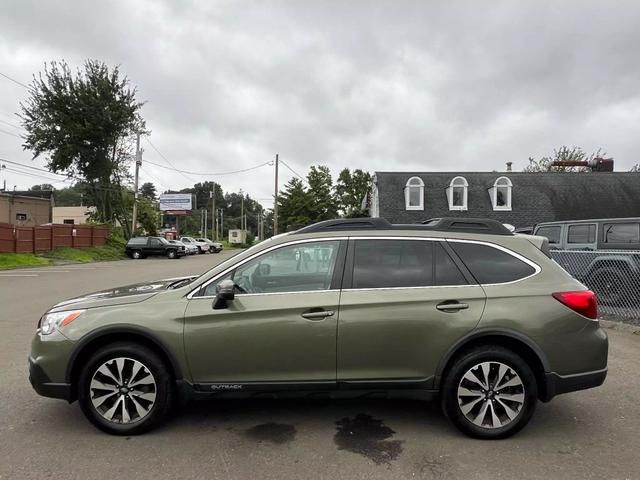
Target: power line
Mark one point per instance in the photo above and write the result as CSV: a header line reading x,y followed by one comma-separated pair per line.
x,y
292,170
9,133
11,124
210,173
166,159
14,80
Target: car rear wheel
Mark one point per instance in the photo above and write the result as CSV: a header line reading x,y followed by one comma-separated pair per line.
x,y
489,393
125,389
136,254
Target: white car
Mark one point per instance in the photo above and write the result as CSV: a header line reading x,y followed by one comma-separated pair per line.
x,y
188,247
202,247
214,247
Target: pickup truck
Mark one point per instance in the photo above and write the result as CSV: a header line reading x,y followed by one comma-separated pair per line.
x,y
141,247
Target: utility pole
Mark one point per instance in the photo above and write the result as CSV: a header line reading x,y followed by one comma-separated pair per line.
x,y
204,232
2,168
241,210
222,223
135,186
275,202
214,235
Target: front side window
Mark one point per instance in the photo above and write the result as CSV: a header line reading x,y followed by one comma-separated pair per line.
x,y
414,194
293,268
457,194
392,263
491,265
621,232
552,233
155,242
582,233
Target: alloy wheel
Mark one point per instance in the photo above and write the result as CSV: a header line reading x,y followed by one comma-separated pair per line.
x,y
123,390
491,395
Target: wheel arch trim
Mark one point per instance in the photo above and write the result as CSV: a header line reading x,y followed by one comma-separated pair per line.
x,y
488,332
119,330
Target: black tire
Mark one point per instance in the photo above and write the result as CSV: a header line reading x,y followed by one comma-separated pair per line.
x,y
164,388
494,355
136,255
172,254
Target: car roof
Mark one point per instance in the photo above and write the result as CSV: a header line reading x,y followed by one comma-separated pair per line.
x,y
591,220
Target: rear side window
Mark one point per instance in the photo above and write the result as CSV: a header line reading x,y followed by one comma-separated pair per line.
x,y
621,232
582,233
551,232
392,263
491,265
138,241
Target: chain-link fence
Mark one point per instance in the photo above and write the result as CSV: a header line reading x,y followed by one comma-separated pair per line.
x,y
614,275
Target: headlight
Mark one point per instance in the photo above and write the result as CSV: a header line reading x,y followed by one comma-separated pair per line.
x,y
50,321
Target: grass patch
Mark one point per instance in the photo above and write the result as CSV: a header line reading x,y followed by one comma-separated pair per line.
x,y
87,254
14,260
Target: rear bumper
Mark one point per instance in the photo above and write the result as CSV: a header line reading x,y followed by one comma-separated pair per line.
x,y
44,386
558,384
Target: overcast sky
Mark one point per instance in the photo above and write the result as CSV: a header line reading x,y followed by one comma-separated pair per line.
x,y
378,85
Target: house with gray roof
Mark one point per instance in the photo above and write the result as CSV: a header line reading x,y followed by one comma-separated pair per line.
x,y
518,198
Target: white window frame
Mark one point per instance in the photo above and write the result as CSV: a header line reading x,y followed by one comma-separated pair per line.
x,y
407,195
501,182
458,182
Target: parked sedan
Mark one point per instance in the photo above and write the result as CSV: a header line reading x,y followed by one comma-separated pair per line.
x,y
214,247
201,246
189,248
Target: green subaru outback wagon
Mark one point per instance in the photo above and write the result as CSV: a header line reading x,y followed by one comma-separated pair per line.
x,y
456,309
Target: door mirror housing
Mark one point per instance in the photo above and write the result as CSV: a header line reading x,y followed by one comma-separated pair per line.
x,y
225,292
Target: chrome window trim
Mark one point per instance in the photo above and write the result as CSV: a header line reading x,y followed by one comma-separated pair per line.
x,y
535,266
191,294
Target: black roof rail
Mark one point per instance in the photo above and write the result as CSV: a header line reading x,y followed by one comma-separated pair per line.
x,y
477,225
445,224
347,224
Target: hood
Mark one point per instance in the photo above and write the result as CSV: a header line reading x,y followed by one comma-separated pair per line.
x,y
135,293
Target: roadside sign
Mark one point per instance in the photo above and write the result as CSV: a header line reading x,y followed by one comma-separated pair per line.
x,y
176,213
175,201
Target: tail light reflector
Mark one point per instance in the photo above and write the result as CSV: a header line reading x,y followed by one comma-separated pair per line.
x,y
583,302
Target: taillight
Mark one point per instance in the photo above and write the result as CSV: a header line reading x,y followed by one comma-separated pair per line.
x,y
583,302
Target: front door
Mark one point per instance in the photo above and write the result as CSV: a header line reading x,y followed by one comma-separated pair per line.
x,y
281,326
404,303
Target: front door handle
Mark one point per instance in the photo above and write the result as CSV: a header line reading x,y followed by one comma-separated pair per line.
x,y
452,306
318,315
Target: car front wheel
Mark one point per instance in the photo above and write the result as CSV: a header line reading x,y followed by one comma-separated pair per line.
x,y
171,254
125,389
489,393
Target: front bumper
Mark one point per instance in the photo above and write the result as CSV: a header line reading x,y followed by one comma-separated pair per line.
x,y
557,384
44,386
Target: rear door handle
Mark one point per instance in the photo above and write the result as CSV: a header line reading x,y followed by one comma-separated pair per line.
x,y
452,307
318,315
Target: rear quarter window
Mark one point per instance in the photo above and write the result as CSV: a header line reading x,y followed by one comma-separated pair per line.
x,y
138,241
491,265
621,232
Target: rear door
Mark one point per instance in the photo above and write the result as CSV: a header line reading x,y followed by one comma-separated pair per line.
x,y
404,302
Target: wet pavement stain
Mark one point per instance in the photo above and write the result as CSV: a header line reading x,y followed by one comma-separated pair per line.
x,y
278,433
367,436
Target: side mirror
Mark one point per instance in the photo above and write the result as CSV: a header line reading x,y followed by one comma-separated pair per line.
x,y
225,292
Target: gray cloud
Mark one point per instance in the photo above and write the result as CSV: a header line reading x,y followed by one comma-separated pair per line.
x,y
377,85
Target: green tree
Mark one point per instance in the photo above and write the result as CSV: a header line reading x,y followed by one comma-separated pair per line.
x,y
323,206
564,153
148,190
294,205
85,123
148,215
43,187
351,189
70,196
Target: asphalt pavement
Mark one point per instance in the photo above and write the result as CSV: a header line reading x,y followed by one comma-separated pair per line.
x,y
591,434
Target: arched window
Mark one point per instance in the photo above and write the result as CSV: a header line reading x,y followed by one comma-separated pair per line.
x,y
457,193
414,194
500,194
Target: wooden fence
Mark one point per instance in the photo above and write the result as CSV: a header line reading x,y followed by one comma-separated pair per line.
x,y
15,239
